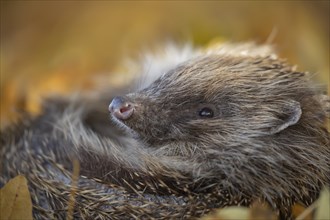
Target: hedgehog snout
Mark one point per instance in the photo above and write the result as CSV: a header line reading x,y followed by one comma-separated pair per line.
x,y
121,108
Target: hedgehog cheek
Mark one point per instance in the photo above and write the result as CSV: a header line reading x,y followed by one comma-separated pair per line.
x,y
291,115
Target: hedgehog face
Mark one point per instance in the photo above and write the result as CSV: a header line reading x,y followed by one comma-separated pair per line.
x,y
168,112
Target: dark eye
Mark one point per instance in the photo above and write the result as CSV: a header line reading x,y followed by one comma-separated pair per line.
x,y
206,112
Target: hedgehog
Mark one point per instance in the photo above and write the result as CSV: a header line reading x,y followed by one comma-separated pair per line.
x,y
205,129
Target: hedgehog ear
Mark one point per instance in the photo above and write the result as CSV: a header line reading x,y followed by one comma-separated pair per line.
x,y
290,115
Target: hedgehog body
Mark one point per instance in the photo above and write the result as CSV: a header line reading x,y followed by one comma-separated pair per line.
x,y
215,128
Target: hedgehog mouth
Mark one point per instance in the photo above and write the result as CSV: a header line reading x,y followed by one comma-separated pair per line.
x,y
121,124
117,121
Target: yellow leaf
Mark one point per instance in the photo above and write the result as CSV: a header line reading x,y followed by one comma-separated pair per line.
x,y
323,210
230,213
261,211
15,199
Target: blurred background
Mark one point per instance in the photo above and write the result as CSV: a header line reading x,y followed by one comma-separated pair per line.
x,y
60,47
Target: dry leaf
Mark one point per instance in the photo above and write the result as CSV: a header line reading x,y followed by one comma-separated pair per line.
x,y
74,185
15,199
301,212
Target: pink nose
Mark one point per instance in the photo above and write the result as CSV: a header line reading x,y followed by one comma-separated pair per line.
x,y
120,108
